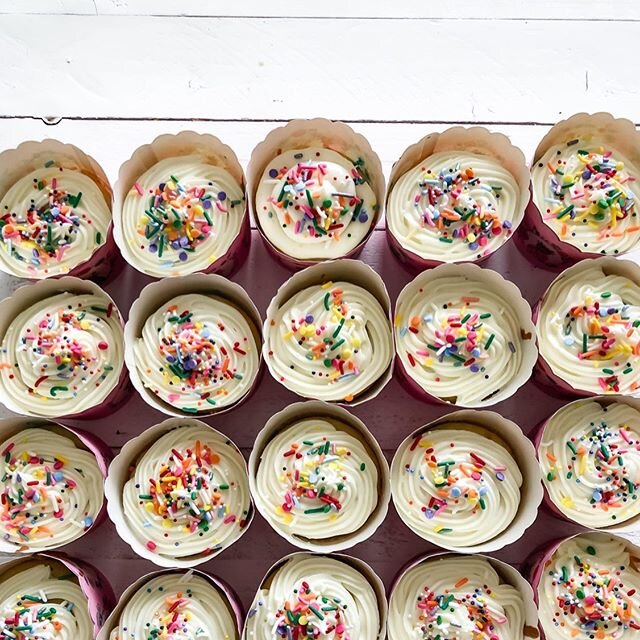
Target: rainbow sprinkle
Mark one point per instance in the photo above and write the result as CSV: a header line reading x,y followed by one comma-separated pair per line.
x,y
33,618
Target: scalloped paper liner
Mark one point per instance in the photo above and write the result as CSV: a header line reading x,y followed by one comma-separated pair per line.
x,y
336,414
320,132
536,240
31,155
118,475
213,151
522,451
344,270
473,139
227,593
154,295
512,296
27,295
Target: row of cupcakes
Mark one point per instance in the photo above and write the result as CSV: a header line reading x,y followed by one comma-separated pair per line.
x,y
582,587
316,191
180,493
194,345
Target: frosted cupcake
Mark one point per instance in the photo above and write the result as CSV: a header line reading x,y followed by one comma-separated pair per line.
x,y
179,494
51,487
330,339
195,347
315,596
456,196
588,588
316,190
589,454
456,597
587,325
318,477
62,349
175,605
464,336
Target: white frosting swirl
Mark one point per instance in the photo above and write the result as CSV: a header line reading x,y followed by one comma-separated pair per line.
x,y
459,339
315,204
316,480
454,206
198,353
329,342
454,486
455,598
36,604
188,495
317,597
176,606
52,490
588,195
589,589
180,217
51,220
62,355
590,460
589,330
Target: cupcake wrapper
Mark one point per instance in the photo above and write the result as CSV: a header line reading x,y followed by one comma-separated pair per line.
x,y
232,599
174,145
117,477
28,156
158,293
313,409
474,139
328,134
523,452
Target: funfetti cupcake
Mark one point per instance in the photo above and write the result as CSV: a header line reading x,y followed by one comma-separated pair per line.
x,y
51,484
175,604
587,587
180,207
463,336
585,190
193,345
179,493
316,190
319,477
588,327
589,454
315,596
467,482
450,596
455,196
55,213
61,350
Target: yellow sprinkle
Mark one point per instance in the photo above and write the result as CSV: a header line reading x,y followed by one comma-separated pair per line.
x,y
326,285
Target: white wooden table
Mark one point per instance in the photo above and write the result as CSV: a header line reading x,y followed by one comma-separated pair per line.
x,y
394,70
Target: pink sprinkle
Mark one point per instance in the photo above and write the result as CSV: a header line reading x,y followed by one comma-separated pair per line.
x,y
152,546
229,519
138,188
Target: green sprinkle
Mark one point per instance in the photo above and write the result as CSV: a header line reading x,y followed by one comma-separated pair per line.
x,y
605,294
447,240
484,316
363,466
326,302
487,344
572,447
338,328
337,344
54,390
591,550
565,211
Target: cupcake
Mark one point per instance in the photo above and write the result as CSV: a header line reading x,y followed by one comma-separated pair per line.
x,y
589,454
451,596
464,336
587,588
585,192
455,196
62,351
193,345
318,477
180,206
587,325
315,596
467,482
316,188
179,493
51,484
327,333
174,605
55,212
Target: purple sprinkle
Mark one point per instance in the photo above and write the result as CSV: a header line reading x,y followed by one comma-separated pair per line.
x,y
309,319
586,174
184,241
273,173
473,246
222,196
189,364
206,203
153,248
611,311
475,368
429,513
500,476
183,256
175,244
507,224
161,186
171,359
363,217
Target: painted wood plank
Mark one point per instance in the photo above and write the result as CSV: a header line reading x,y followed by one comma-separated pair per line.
x,y
475,71
49,7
